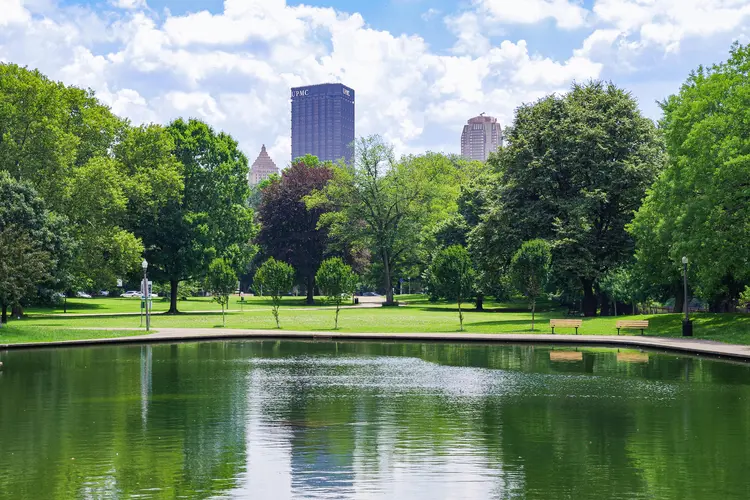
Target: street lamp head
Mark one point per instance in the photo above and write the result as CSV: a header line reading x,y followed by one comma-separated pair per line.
x,y
144,264
685,260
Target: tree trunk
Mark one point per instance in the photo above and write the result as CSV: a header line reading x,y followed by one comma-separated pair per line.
x,y
17,311
480,302
460,316
173,284
387,277
606,304
679,301
589,299
533,312
310,289
4,317
223,318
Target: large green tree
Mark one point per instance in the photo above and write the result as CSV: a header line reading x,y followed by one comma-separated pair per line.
x,y
288,230
385,206
700,205
575,169
32,242
60,140
184,232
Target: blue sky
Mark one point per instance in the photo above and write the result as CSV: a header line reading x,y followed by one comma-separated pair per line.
x,y
421,68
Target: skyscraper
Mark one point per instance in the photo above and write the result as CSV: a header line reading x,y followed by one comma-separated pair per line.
x,y
481,136
323,121
263,167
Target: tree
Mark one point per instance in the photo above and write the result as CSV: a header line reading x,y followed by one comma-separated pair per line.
x,y
453,276
386,206
529,269
210,218
337,280
31,242
275,278
288,230
575,169
221,281
700,206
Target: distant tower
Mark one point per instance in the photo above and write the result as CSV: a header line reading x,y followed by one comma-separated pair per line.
x,y
481,136
263,167
323,122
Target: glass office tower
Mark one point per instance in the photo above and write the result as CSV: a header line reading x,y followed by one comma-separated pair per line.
x,y
323,122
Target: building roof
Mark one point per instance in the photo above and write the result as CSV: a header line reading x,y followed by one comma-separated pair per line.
x,y
264,162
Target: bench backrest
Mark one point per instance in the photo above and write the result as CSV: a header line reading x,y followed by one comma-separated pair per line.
x,y
633,324
572,323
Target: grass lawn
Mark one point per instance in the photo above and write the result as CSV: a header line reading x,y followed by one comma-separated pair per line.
x,y
26,331
419,315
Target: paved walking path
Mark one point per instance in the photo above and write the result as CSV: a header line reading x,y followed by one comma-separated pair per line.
x,y
683,345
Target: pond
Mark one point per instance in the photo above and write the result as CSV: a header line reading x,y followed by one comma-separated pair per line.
x,y
283,419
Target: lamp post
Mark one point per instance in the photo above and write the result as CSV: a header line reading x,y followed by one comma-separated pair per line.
x,y
687,325
146,294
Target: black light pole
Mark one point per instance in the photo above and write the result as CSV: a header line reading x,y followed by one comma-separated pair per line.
x,y
687,325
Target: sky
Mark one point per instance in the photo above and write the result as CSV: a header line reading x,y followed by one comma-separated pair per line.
x,y
420,68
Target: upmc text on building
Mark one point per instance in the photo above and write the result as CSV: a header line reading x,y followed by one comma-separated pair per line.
x,y
323,121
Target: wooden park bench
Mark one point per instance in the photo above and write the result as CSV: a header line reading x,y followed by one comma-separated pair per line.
x,y
632,325
565,323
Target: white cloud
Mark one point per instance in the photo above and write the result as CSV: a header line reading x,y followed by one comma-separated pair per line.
x,y
129,4
13,12
667,23
567,14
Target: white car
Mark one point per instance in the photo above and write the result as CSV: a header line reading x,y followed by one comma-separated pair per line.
x,y
131,294
83,295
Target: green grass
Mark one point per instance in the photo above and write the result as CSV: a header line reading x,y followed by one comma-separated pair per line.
x,y
26,331
419,315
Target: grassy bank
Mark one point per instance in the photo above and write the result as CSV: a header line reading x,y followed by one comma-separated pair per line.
x,y
19,332
418,315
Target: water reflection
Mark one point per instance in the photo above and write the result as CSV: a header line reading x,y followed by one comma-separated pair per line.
x,y
362,420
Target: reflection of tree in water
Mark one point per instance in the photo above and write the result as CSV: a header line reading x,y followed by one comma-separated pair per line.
x,y
80,428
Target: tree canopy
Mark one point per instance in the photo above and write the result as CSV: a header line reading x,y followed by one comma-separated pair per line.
x,y
452,276
529,270
337,281
288,230
575,169
700,205
274,278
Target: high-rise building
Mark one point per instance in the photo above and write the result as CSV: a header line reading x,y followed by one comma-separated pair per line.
x,y
323,122
263,167
481,136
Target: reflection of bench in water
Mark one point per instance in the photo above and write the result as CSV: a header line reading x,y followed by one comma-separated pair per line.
x,y
567,356
565,323
632,325
632,357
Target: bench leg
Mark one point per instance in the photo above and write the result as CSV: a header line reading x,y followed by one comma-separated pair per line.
x,y
618,331
641,331
553,330
576,330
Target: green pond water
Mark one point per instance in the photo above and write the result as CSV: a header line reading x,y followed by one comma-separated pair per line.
x,y
283,419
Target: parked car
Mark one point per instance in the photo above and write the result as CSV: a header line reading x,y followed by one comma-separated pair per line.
x,y
370,294
131,294
104,293
83,295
